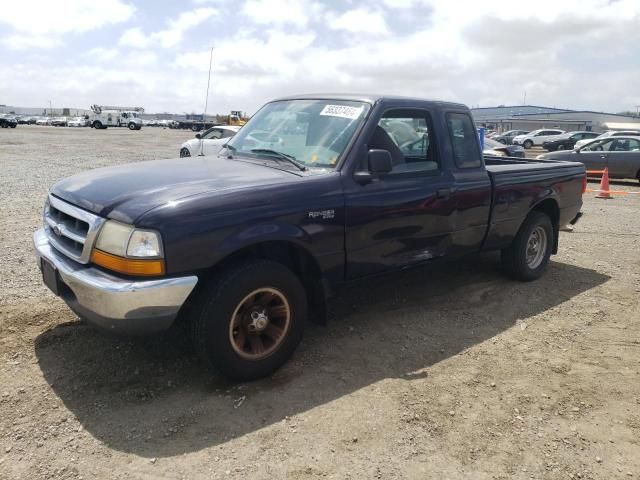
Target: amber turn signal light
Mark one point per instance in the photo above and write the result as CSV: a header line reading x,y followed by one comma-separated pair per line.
x,y
129,266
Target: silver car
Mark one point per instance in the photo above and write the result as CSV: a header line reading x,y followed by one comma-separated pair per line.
x,y
621,155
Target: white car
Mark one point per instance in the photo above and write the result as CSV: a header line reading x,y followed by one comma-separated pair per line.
x,y
209,142
78,122
610,133
537,137
43,121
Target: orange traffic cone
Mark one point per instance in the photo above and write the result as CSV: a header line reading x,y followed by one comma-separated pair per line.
x,y
603,191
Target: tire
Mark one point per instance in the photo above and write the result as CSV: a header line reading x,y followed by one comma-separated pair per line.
x,y
184,153
246,287
97,124
521,260
527,144
132,126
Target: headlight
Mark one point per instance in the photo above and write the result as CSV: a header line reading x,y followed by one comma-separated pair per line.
x,y
540,157
144,244
125,249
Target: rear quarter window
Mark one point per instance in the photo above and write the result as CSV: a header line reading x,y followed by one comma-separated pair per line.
x,y
464,141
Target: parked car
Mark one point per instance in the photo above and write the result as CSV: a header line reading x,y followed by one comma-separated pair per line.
x,y
26,120
491,147
43,121
567,141
607,134
78,122
621,155
507,137
253,242
537,137
8,121
208,142
59,121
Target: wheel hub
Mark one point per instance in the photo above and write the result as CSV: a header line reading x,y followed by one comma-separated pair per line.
x,y
260,323
259,320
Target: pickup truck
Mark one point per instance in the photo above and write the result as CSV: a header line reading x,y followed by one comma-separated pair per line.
x,y
315,191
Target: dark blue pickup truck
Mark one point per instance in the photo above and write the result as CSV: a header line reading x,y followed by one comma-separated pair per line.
x,y
313,192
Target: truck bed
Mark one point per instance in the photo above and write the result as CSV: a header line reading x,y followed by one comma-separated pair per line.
x,y
517,186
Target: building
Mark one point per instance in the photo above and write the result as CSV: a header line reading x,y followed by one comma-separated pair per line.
x,y
531,117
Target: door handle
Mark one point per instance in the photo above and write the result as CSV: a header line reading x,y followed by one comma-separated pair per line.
x,y
443,193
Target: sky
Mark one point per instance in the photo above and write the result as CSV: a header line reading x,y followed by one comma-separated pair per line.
x,y
580,54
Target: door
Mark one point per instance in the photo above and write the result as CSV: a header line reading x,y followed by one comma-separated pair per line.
x,y
624,158
595,155
405,216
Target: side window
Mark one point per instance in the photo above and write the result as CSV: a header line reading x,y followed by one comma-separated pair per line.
x,y
407,135
603,145
213,134
634,145
464,140
622,145
228,133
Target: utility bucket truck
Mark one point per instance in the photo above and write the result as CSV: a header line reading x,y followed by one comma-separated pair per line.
x,y
106,116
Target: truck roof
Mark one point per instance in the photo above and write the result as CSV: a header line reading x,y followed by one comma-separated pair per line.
x,y
366,97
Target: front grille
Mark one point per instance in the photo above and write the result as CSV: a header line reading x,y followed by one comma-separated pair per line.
x,y
71,230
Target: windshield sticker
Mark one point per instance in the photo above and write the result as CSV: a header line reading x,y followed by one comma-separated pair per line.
x,y
341,111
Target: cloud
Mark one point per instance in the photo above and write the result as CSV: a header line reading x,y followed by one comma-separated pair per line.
x,y
21,41
577,54
48,17
359,20
277,12
172,35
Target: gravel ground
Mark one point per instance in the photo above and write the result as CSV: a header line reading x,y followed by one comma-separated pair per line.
x,y
449,371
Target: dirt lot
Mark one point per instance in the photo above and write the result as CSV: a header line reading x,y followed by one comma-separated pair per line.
x,y
450,371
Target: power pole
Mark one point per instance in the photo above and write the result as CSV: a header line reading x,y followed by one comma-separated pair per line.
x,y
206,100
637,110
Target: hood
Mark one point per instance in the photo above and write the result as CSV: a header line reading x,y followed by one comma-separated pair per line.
x,y
127,191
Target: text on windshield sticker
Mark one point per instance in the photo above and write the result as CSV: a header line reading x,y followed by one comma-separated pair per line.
x,y
342,111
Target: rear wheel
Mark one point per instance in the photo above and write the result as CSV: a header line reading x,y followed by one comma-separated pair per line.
x,y
247,322
527,144
528,255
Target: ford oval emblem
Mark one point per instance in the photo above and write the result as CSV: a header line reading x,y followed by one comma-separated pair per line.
x,y
56,230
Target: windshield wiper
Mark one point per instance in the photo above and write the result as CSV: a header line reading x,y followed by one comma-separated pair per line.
x,y
283,156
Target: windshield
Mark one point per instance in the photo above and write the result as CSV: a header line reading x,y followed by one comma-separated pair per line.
x,y
312,132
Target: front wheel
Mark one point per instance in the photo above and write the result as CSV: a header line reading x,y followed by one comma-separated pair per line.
x,y
184,152
528,255
527,144
247,322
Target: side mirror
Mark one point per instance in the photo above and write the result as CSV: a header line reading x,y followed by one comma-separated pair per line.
x,y
198,135
379,161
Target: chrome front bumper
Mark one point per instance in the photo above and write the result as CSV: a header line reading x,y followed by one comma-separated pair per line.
x,y
112,302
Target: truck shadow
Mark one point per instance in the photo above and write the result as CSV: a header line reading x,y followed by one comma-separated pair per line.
x,y
150,396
